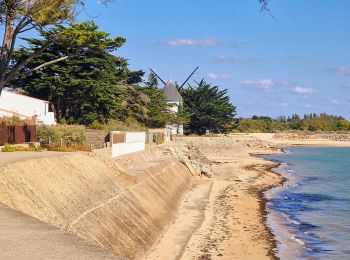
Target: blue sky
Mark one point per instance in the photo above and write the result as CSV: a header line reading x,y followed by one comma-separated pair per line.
x,y
298,62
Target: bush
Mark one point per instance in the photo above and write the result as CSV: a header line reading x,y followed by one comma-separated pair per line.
x,y
74,148
61,135
116,125
158,138
15,121
17,148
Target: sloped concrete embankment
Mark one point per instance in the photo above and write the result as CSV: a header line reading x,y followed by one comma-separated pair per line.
x,y
123,213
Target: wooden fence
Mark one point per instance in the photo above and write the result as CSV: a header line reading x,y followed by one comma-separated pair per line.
x,y
17,134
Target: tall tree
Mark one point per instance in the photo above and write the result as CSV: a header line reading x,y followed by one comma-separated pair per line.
x,y
19,16
81,89
152,81
210,108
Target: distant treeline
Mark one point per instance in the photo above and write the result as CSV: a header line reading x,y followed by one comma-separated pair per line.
x,y
308,122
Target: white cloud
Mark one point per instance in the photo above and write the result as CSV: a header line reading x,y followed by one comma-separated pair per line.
x,y
304,91
343,71
222,76
236,59
263,84
212,42
339,102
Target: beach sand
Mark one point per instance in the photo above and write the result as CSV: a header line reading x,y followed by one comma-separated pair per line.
x,y
224,217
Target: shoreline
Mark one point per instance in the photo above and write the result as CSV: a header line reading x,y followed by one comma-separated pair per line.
x,y
263,205
292,246
235,223
230,221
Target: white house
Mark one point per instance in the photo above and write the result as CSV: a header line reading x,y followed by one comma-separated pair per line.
x,y
174,99
12,104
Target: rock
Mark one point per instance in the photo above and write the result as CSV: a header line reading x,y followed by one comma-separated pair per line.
x,y
206,174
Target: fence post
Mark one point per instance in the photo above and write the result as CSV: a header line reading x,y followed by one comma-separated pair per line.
x,y
61,142
49,140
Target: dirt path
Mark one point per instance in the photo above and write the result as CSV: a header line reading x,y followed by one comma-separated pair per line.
x,y
23,237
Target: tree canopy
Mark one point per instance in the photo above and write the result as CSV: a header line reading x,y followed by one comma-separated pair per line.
x,y
19,16
309,122
209,108
92,85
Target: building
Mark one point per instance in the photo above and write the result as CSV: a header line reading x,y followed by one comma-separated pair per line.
x,y
25,107
174,99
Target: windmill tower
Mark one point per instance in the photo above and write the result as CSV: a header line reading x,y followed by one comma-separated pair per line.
x,y
174,99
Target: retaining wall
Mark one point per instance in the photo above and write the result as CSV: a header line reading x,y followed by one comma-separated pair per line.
x,y
96,139
86,197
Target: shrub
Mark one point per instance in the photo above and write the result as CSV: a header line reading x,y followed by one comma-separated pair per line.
x,y
158,138
61,135
15,121
74,148
128,125
17,148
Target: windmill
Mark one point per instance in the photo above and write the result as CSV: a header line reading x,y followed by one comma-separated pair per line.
x,y
173,98
169,81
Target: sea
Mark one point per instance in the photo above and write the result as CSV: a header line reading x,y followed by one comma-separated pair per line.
x,y
310,214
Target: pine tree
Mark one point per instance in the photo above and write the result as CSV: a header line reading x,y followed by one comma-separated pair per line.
x,y
81,88
152,81
209,108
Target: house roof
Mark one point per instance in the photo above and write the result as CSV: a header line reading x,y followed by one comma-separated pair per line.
x,y
171,93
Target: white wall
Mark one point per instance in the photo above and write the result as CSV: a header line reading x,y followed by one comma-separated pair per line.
x,y
27,106
174,106
167,135
176,129
134,142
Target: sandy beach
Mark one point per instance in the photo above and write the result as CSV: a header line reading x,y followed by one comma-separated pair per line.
x,y
224,217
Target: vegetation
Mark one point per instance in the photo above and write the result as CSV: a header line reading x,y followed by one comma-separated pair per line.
x,y
114,125
152,81
207,108
19,148
309,122
20,16
61,135
68,149
73,67
15,121
92,87
81,89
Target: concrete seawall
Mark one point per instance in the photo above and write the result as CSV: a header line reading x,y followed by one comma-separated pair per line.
x,y
126,214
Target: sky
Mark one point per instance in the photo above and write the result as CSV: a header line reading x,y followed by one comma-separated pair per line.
x,y
294,60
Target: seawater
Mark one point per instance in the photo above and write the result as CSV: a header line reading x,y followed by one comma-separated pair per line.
x,y
310,214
